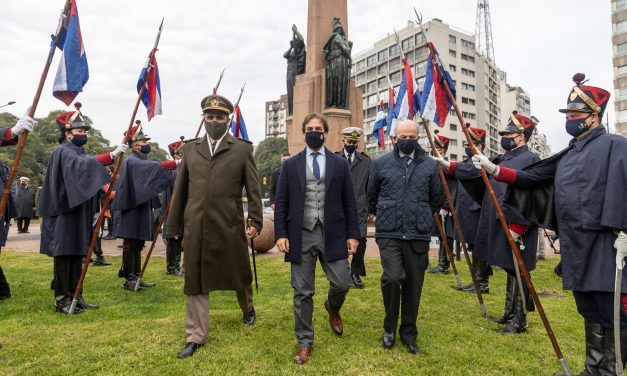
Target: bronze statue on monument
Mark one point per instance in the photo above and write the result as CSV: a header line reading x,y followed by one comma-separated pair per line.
x,y
337,53
295,65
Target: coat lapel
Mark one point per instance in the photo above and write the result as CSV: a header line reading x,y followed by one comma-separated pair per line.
x,y
329,166
225,145
301,168
202,147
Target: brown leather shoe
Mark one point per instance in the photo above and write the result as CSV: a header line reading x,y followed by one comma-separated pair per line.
x,y
335,320
302,355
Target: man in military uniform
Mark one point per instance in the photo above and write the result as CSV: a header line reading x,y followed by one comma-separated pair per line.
x,y
172,245
207,200
580,191
441,143
136,198
491,243
25,205
359,165
469,210
8,137
69,202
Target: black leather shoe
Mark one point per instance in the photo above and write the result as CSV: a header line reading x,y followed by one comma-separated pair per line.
x,y
484,289
412,349
84,305
129,284
250,317
189,350
101,261
439,269
63,304
109,237
388,340
357,282
464,287
145,284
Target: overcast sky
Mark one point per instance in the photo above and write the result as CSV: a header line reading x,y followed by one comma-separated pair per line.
x,y
540,44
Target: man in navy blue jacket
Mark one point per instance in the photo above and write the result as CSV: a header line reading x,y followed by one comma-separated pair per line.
x,y
315,216
404,192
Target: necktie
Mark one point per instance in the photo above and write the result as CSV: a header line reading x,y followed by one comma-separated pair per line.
x,y
350,159
316,166
213,146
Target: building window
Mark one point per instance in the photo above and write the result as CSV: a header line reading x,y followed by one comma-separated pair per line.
x,y
469,115
394,50
621,4
361,64
453,142
407,44
383,54
454,157
420,39
468,72
395,77
469,101
452,68
468,58
383,68
372,86
395,63
620,27
468,87
452,53
468,44
622,116
372,73
420,67
361,76
372,100
622,94
622,48
452,39
371,60
420,51
453,127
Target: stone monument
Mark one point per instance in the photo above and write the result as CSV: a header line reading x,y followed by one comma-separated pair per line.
x,y
310,88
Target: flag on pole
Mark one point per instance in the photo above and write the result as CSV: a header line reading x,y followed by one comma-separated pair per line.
x,y
435,102
404,106
391,118
379,128
149,79
73,71
238,125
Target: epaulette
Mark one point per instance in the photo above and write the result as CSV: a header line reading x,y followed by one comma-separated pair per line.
x,y
246,141
365,155
190,140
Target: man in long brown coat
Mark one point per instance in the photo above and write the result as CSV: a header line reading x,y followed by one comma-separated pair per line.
x,y
207,198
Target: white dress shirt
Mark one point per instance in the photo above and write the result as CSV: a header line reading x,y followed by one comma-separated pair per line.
x,y
209,139
321,159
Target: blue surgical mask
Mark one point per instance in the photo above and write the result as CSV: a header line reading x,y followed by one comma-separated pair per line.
x,y
145,149
79,140
508,143
577,126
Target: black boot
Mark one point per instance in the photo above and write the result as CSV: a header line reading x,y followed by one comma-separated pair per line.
x,y
85,305
508,311
594,348
608,365
100,260
129,273
63,304
170,266
5,290
518,323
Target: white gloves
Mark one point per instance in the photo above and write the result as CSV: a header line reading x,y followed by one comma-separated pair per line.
x,y
443,162
621,248
444,212
121,149
480,160
517,237
23,124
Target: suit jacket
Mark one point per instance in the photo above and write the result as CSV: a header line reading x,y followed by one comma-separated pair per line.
x,y
340,210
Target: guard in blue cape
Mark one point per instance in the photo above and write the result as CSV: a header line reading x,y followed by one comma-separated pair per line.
x,y
136,204
9,136
69,205
173,246
582,193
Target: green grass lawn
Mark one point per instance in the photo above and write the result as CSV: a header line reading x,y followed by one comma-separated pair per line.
x,y
141,333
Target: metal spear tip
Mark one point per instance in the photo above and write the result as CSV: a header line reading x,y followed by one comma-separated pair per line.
x,y
10,103
161,26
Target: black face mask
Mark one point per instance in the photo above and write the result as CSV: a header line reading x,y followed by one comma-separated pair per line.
x,y
314,140
79,140
577,126
468,152
508,143
350,149
406,146
145,149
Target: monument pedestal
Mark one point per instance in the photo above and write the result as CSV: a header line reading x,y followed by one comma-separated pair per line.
x,y
309,89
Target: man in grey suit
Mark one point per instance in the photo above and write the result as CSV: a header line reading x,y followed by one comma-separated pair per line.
x,y
315,217
359,165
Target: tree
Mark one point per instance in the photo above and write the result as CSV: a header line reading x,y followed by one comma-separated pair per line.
x,y
45,138
268,157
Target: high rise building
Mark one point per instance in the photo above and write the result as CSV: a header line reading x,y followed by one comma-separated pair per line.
x,y
619,41
276,113
475,78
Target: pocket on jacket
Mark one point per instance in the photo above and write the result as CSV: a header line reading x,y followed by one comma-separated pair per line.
x,y
424,219
386,216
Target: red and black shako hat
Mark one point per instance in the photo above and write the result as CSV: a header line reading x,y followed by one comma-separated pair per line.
x,y
72,119
583,98
441,141
519,124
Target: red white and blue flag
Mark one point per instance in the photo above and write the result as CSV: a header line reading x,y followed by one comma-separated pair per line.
x,y
379,128
391,117
149,79
408,100
435,102
238,125
73,71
